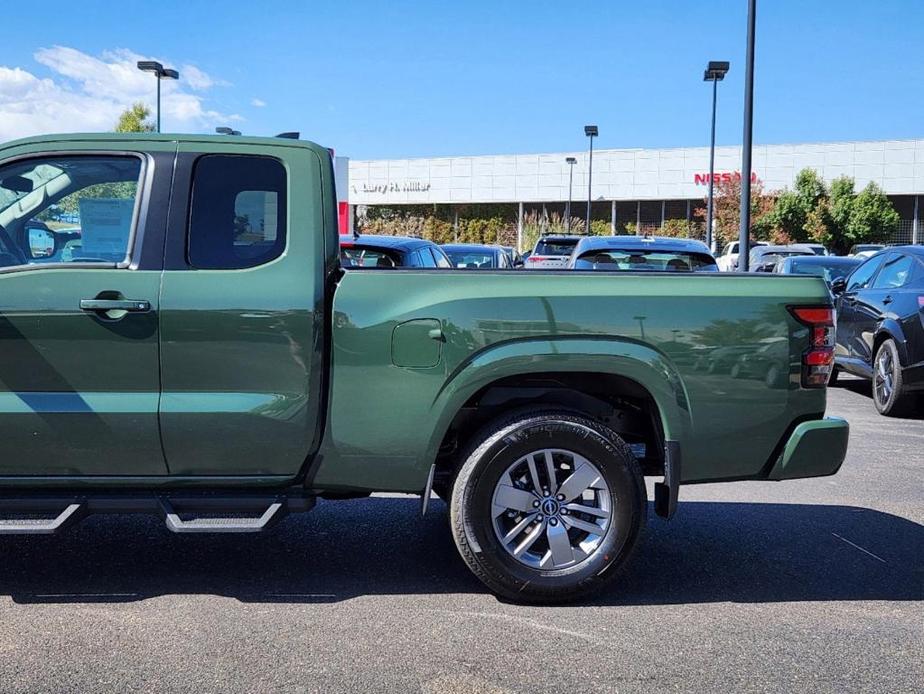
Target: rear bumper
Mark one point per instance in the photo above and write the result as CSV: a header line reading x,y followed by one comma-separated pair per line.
x,y
815,449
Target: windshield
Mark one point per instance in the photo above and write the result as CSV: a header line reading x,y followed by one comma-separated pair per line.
x,y
636,260
472,258
555,247
19,181
828,272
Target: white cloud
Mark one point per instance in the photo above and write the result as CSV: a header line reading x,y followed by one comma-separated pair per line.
x,y
199,80
87,94
259,103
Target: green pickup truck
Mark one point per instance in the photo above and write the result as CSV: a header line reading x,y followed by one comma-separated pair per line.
x,y
177,336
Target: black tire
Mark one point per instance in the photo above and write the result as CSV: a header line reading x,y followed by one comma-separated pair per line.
x,y
498,447
897,402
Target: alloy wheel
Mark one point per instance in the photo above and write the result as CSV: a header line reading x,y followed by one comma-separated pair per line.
x,y
551,509
884,376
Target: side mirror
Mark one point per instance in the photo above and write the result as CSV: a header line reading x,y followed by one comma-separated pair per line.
x,y
839,285
42,243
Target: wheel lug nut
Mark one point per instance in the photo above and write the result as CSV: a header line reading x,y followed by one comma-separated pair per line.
x,y
539,519
560,497
564,512
553,521
536,503
545,492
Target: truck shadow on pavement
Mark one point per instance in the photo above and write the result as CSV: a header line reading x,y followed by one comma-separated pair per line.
x,y
710,552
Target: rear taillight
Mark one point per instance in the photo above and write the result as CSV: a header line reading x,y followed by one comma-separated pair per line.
x,y
818,359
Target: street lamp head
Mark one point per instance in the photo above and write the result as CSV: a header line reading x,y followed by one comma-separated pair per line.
x,y
571,160
150,66
169,74
716,71
591,130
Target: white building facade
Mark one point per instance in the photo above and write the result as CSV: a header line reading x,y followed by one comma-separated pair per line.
x,y
654,184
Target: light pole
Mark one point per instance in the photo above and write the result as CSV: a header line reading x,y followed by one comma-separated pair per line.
x,y
744,234
715,73
161,73
591,132
570,161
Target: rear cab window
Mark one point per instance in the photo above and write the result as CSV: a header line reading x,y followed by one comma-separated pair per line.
x,y
237,215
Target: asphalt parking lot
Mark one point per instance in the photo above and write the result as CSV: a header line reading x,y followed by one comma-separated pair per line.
x,y
809,585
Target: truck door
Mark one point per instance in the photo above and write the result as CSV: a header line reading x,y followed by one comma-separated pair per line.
x,y
80,259
242,308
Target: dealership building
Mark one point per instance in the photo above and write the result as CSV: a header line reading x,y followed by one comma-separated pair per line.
x,y
643,186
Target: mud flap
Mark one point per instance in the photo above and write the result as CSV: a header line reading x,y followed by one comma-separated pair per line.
x,y
668,491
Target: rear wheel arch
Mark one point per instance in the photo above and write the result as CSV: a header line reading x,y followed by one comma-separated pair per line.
x,y
889,330
617,402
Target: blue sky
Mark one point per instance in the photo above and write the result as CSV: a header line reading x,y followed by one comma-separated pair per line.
x,y
397,79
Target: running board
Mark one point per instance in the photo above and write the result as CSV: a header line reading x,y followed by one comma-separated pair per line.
x,y
182,512
42,526
217,524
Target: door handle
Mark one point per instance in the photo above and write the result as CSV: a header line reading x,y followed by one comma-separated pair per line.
x,y
103,305
887,300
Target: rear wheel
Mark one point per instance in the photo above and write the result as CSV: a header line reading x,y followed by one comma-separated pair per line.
x,y
547,507
888,385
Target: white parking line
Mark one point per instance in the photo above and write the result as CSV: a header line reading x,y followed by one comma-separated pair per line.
x,y
866,551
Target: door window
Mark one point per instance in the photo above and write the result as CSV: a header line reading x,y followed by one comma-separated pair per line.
x,y
426,258
68,209
442,260
895,273
860,278
238,211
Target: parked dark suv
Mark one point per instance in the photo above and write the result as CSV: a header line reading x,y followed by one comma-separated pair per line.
x,y
880,326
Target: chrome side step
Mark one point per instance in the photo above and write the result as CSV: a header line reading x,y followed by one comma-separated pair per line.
x,y
42,526
216,524
182,512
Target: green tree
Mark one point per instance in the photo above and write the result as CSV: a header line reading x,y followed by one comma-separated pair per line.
x,y
788,220
135,120
846,218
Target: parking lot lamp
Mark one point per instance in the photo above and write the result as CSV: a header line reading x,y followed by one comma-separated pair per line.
x,y
744,233
570,161
715,73
591,132
161,73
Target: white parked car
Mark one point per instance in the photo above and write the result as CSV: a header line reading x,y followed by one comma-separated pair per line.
x,y
728,261
552,251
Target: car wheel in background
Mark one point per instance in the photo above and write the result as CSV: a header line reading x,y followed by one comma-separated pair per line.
x,y
547,507
888,386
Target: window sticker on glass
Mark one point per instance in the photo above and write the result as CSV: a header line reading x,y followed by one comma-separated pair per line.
x,y
105,226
